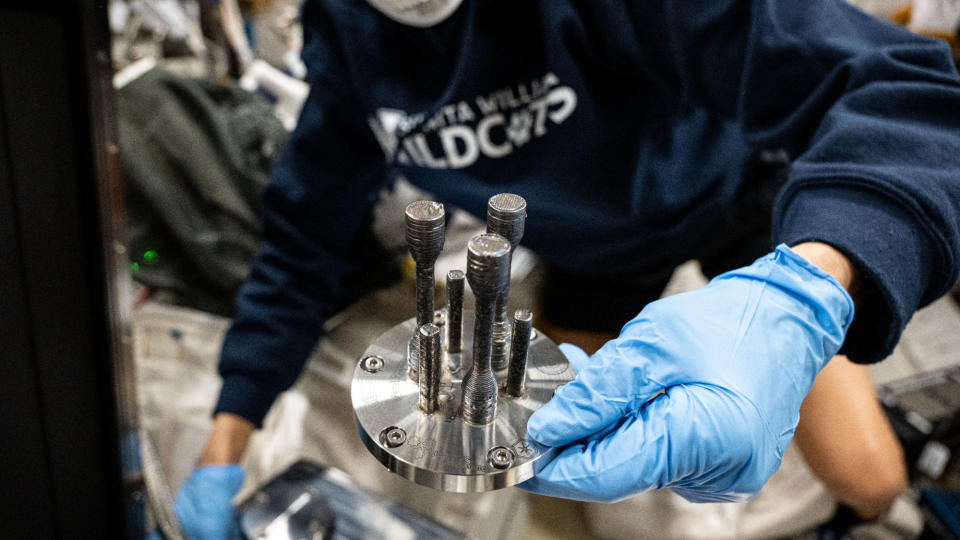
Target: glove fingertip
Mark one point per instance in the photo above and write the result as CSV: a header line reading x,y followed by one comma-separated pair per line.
x,y
576,411
539,426
554,424
575,355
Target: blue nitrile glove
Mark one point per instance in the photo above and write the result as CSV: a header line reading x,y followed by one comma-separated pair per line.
x,y
734,358
204,506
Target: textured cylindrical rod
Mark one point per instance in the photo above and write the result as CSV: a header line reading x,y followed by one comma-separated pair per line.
x,y
425,227
430,357
506,216
488,271
520,342
454,311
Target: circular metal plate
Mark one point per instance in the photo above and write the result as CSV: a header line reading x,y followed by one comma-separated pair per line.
x,y
441,450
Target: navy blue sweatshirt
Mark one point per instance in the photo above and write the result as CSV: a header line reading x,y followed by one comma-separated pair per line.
x,y
625,124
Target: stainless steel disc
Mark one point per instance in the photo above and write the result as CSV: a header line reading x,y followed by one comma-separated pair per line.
x,y
441,450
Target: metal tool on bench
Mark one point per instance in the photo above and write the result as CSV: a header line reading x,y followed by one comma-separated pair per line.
x,y
432,403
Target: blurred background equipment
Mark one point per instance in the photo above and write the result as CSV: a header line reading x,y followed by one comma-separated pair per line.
x,y
196,154
925,413
311,501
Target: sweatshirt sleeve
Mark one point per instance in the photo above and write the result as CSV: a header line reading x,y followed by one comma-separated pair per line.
x,y
872,114
316,214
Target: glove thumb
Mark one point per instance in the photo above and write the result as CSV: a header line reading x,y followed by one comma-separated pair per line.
x,y
613,382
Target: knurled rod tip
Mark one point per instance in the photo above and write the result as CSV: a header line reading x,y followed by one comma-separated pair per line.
x,y
488,264
507,206
506,216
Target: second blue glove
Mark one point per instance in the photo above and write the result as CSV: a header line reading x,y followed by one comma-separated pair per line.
x,y
204,503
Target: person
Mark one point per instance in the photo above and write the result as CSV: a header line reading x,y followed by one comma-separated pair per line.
x,y
628,127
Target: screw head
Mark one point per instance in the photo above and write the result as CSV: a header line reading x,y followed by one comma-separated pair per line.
x,y
371,364
501,457
439,317
393,436
533,334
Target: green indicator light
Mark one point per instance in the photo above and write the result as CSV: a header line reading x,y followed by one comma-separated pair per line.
x,y
134,267
150,256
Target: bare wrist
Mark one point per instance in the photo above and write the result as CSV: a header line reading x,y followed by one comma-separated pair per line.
x,y
833,262
228,440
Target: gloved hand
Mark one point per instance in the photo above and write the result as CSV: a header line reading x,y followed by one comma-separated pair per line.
x,y
734,360
204,506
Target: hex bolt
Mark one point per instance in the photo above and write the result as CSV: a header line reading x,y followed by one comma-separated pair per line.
x,y
425,227
506,216
454,311
488,272
501,457
430,364
393,436
371,364
522,326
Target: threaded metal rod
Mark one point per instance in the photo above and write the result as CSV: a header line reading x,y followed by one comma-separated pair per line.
x,y
506,216
430,358
480,384
488,271
519,344
425,222
454,311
